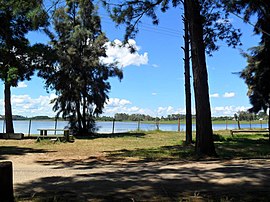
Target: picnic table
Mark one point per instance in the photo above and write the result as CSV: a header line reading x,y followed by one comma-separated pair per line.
x,y
43,134
248,131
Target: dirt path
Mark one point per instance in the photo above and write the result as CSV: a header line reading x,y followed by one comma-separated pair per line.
x,y
103,178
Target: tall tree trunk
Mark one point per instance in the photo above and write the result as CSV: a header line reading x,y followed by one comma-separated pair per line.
x,y
79,117
269,123
8,110
84,118
204,132
187,79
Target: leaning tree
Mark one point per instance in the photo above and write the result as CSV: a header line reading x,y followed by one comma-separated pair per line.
x,y
79,77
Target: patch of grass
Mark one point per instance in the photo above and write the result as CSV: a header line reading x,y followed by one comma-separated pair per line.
x,y
151,145
84,147
244,196
243,148
219,138
62,196
159,153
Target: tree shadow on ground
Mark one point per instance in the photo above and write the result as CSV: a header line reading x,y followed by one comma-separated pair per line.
x,y
159,174
79,164
175,152
111,135
226,149
243,148
6,151
157,181
116,157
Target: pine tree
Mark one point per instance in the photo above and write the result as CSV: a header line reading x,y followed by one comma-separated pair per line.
x,y
204,30
18,59
79,77
257,72
256,76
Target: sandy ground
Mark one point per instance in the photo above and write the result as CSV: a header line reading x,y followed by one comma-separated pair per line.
x,y
98,177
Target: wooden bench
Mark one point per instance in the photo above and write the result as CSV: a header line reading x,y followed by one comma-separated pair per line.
x,y
43,134
248,131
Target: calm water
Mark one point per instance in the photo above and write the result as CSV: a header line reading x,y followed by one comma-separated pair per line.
x,y
107,127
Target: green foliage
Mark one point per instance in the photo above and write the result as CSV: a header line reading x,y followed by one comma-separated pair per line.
x,y
18,18
222,118
246,116
257,72
214,18
217,26
104,118
256,76
79,78
41,118
133,117
18,59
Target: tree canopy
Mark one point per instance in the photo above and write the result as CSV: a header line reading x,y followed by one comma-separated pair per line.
x,y
257,72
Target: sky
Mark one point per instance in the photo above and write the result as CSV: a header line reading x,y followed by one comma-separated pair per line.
x,y
153,82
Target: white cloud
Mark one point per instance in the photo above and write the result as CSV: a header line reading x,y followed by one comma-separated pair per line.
x,y
164,111
215,95
28,106
121,54
115,102
229,94
21,85
154,94
155,65
227,110
117,105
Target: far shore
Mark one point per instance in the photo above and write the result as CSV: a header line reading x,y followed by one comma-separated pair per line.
x,y
182,121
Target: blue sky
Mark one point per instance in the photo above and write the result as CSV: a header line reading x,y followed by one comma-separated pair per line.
x,y
153,80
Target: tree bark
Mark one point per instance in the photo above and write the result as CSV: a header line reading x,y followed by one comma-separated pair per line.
x,y
79,117
187,79
204,132
269,123
8,110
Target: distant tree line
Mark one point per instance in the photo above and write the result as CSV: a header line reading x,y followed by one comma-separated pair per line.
x,y
241,116
248,116
19,117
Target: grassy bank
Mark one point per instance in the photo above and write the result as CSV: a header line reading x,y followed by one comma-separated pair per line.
x,y
152,145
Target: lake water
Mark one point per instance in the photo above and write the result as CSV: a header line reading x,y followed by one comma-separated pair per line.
x,y
107,127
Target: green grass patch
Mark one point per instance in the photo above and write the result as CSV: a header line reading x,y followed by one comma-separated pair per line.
x,y
227,147
151,145
243,148
159,153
